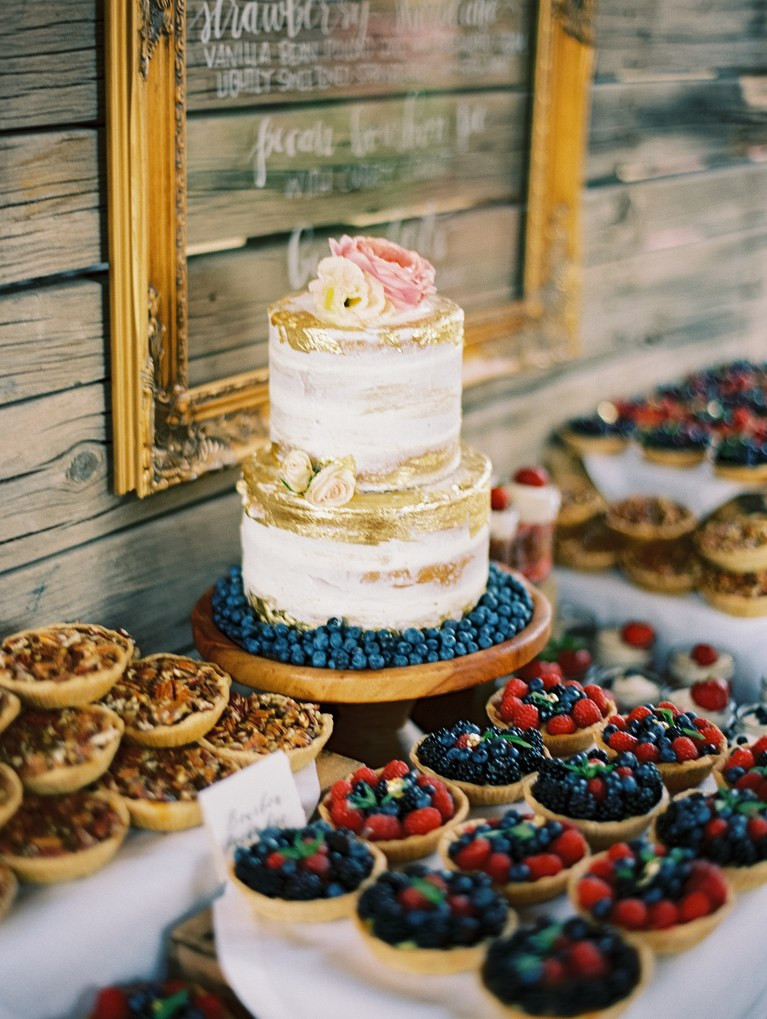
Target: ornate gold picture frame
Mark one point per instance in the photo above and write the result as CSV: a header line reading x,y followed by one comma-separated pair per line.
x,y
168,429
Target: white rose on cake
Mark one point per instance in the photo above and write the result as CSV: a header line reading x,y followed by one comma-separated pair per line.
x,y
297,471
346,295
333,485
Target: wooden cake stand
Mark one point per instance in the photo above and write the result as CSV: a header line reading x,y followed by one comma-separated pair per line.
x,y
370,706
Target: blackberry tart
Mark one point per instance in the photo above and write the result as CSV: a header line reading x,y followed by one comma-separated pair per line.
x,y
488,766
570,967
305,875
668,899
742,458
596,434
528,859
675,444
606,800
430,921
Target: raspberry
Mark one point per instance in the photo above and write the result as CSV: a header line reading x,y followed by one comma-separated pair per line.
x,y
598,696
365,774
759,747
602,867
381,826
539,668
570,846
669,706
597,788
111,1003
757,828
274,860
704,654
443,801
741,757
638,634
639,712
543,865
560,724
553,971
344,816
647,752
474,855
591,890
498,867
211,1006
319,863
585,712
715,828
618,721
629,913
574,662
693,906
499,498
422,821
711,694
515,687
411,898
585,960
536,476
709,733
661,915
508,707
707,877
461,905
394,769
619,850
621,741
340,789
684,748
525,716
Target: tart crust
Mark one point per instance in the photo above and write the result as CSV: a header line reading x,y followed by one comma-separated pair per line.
x,y
739,472
10,784
735,604
8,888
681,577
737,544
585,444
559,744
111,651
678,776
309,910
10,705
674,457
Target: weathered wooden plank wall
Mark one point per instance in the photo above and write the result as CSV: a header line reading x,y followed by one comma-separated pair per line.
x,y
675,276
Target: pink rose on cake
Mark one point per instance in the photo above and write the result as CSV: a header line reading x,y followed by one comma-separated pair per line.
x,y
405,276
345,294
333,485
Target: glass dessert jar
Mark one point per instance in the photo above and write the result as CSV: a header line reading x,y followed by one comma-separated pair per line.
x,y
537,502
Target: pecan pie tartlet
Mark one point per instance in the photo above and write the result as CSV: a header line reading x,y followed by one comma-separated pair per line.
x,y
738,594
650,518
10,705
668,567
738,543
10,793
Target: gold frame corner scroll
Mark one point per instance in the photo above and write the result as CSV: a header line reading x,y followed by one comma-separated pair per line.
x,y
167,431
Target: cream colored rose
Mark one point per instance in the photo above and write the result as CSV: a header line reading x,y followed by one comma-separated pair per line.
x,y
344,294
297,471
332,486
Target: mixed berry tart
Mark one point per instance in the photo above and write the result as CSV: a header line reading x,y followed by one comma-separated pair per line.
x,y
727,827
675,444
169,999
569,967
607,800
401,809
631,643
596,434
424,920
745,767
568,715
667,898
8,888
650,518
10,705
11,792
488,766
528,859
688,665
683,746
742,458
305,875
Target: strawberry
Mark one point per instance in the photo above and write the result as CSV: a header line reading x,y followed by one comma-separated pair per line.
x,y
498,867
111,1003
394,769
694,905
570,846
704,654
411,898
639,712
592,889
365,774
499,498
543,865
621,741
638,634
585,713
525,716
629,913
474,855
574,661
536,476
422,821
584,959
685,749
442,800
647,752
560,724
379,827
757,828
741,757
516,687
597,788
711,694
598,696
340,789
344,816
661,915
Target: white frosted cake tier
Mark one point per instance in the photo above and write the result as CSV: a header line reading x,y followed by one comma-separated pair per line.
x,y
384,560
388,395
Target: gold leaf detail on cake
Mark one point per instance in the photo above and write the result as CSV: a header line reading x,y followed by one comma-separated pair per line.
x,y
435,462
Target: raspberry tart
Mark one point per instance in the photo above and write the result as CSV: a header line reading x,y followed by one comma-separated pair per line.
x,y
488,766
11,792
650,518
430,921
252,726
568,715
401,809
8,888
745,767
683,746
528,859
727,827
305,875
167,700
668,899
65,664
10,705
569,967
61,751
58,838
606,800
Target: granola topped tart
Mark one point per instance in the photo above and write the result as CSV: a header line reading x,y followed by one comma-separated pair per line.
x,y
258,724
65,664
738,594
167,700
650,517
57,838
61,751
10,793
10,705
737,543
668,567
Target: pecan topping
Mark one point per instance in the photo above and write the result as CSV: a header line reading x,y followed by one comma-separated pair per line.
x,y
263,723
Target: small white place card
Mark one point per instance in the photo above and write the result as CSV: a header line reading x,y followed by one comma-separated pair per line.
x,y
236,809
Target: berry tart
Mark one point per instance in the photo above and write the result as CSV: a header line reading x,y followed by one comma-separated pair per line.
x,y
606,800
65,664
568,967
631,643
528,859
727,827
258,724
666,567
683,746
58,838
737,594
742,458
487,766
305,875
11,793
745,767
737,543
568,715
170,999
61,751
596,434
650,518
687,665
430,921
665,898
675,444
160,786
401,809
10,705
8,888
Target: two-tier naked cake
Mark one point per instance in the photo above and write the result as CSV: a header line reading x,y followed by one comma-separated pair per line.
x,y
366,506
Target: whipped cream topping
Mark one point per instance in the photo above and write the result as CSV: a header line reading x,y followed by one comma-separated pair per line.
x,y
685,670
633,688
536,504
612,649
